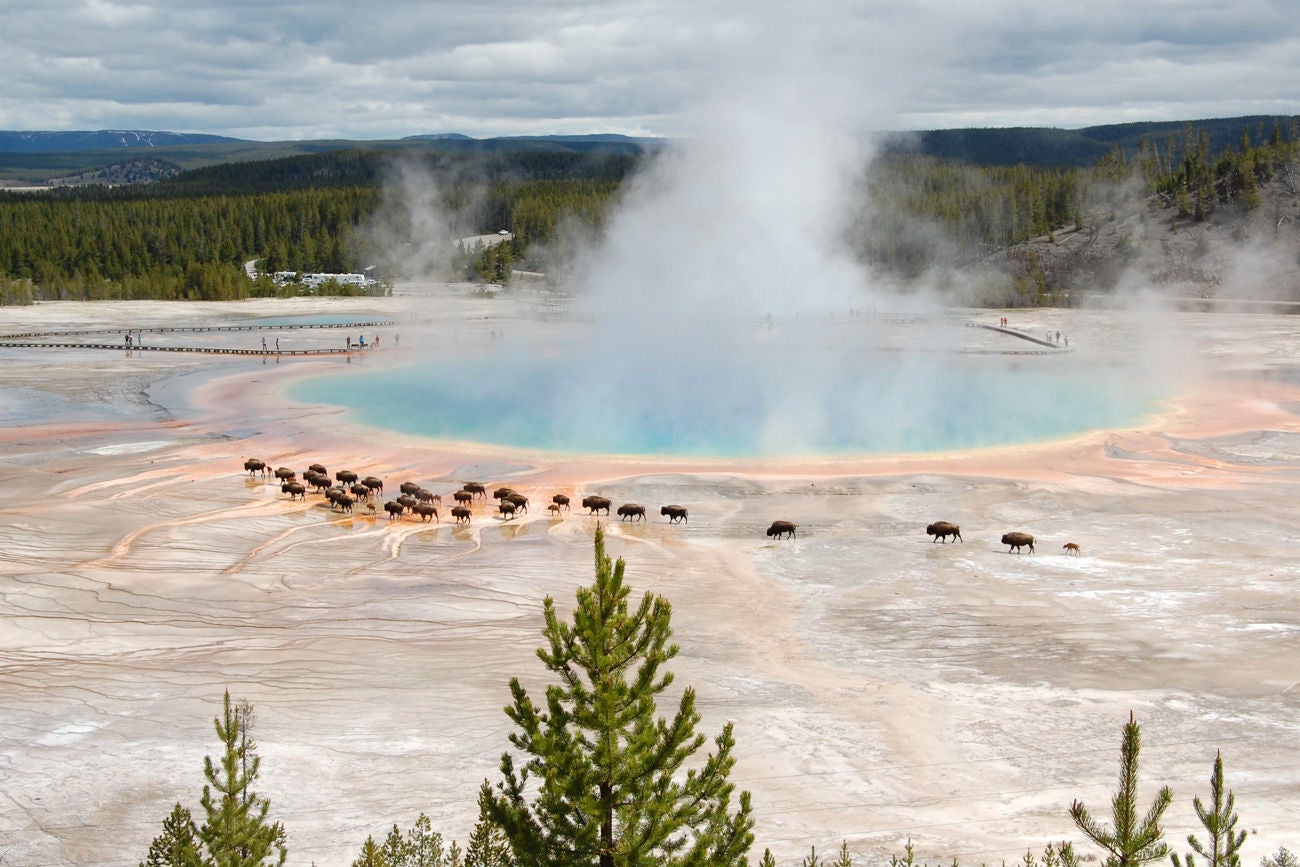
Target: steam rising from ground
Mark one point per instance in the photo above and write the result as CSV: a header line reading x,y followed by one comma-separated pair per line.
x,y
725,311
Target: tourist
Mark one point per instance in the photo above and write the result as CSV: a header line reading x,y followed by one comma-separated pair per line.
x,y
349,343
264,344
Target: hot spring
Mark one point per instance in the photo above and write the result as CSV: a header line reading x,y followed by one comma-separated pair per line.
x,y
771,390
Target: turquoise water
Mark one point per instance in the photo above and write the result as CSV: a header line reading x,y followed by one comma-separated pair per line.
x,y
758,407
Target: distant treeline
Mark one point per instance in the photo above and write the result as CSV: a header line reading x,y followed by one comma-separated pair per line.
x,y
189,237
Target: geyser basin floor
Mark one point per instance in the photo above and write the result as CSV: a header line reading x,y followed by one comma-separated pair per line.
x,y
881,686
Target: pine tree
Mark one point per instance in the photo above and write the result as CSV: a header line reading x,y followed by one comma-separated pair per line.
x,y
372,855
487,846
236,833
606,771
1132,840
1221,822
177,845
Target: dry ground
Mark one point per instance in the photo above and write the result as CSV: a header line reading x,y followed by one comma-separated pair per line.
x,y
882,687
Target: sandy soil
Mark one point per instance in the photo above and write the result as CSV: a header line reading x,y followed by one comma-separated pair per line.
x,y
882,687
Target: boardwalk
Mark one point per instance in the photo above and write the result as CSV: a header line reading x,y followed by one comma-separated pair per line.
x,y
85,339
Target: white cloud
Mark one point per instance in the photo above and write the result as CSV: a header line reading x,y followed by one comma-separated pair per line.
x,y
331,69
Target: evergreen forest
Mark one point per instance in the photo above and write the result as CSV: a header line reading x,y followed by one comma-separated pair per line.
x,y
189,236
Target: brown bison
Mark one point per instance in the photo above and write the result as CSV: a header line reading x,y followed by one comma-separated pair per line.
x,y
285,474
1072,548
360,491
344,502
475,488
254,466
781,528
295,490
411,488
631,512
674,513
502,493
942,530
593,505
1016,541
346,477
554,509
463,496
426,511
560,500
373,483
317,481
461,514
394,509
424,495
319,468
520,501
408,502
507,509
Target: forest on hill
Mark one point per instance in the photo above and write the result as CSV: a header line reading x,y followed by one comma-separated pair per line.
x,y
188,236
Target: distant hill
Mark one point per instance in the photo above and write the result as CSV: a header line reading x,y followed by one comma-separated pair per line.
x,y
104,139
1046,146
75,158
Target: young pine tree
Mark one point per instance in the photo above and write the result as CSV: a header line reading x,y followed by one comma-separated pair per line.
x,y
607,772
1220,821
177,845
1133,840
236,832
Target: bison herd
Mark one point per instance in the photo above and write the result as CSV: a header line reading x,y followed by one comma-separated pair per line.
x,y
345,490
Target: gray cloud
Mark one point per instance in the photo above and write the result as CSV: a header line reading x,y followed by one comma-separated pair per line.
x,y
276,70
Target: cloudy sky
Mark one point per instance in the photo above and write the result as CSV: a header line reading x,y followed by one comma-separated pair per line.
x,y
292,69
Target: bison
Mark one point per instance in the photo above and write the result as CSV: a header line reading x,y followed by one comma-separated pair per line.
x,y
411,488
502,493
1072,548
284,474
317,481
593,505
674,513
373,483
781,528
394,509
631,512
461,514
475,488
346,477
408,502
554,509
295,490
560,500
520,501
360,491
319,468
463,497
344,502
1016,541
426,511
254,466
507,509
942,530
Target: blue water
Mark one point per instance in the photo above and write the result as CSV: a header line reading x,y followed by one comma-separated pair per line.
x,y
882,403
